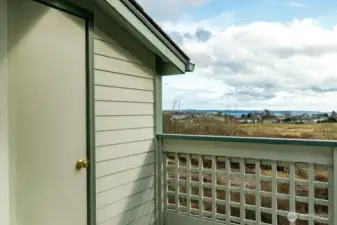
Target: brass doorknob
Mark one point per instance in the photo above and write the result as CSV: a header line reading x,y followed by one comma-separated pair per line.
x,y
82,164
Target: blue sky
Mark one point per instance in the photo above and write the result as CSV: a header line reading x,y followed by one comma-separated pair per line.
x,y
266,10
252,54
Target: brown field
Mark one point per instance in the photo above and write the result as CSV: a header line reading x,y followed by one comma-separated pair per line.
x,y
323,131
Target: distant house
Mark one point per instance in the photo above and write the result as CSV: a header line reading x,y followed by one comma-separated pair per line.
x,y
270,120
178,117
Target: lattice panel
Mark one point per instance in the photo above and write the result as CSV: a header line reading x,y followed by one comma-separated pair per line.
x,y
247,191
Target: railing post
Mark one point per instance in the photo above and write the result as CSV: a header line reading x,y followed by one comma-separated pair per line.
x,y
333,189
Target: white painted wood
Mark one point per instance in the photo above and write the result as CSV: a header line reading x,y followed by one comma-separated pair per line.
x,y
214,194
165,184
176,182
173,218
123,95
48,109
291,153
332,172
274,192
110,211
311,194
201,186
114,180
121,164
122,136
242,191
141,215
257,192
122,150
115,51
100,35
110,30
104,123
4,147
188,185
147,219
122,80
228,190
123,108
123,191
122,67
292,191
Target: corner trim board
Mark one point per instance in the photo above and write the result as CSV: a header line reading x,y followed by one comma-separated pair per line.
x,y
158,143
4,145
91,150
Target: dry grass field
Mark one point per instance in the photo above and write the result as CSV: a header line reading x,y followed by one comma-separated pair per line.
x,y
323,131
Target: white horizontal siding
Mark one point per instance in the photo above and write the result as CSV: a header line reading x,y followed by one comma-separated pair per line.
x,y
123,122
124,107
140,215
122,67
114,180
107,197
147,219
113,50
123,136
117,165
124,81
117,208
122,150
104,93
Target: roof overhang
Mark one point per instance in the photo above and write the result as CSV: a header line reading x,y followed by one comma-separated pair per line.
x,y
131,16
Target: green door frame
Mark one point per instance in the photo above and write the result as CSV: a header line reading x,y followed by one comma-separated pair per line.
x,y
90,107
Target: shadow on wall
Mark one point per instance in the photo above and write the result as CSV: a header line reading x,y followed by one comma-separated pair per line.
x,y
125,186
125,175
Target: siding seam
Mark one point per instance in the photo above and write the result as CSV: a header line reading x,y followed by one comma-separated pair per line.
x,y
120,143
120,129
126,211
109,174
139,218
128,88
109,42
119,59
143,178
100,100
126,74
117,115
122,157
131,195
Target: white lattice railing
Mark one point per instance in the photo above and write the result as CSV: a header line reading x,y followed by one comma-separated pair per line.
x,y
212,180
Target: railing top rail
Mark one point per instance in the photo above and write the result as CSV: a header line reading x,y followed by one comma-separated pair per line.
x,y
257,140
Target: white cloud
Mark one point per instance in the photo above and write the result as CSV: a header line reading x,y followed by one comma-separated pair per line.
x,y
296,4
284,66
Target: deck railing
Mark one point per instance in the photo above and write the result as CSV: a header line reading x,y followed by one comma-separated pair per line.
x,y
225,180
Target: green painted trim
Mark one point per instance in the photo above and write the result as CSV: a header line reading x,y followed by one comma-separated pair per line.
x,y
253,140
90,107
158,142
158,101
91,150
148,33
